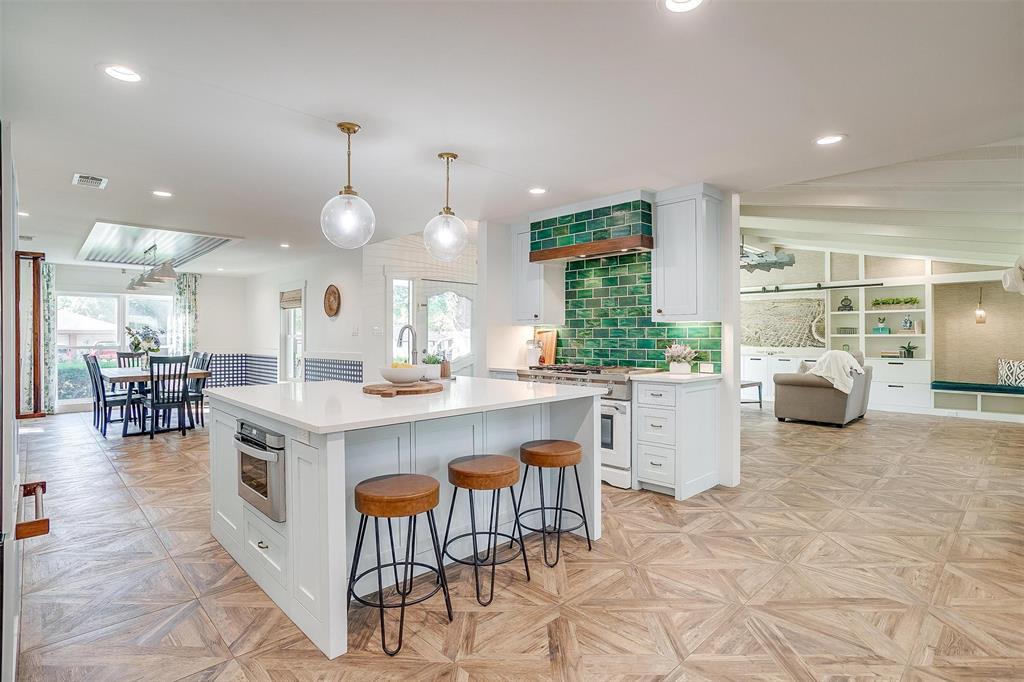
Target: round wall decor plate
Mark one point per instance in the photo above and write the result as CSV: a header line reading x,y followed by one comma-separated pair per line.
x,y
332,301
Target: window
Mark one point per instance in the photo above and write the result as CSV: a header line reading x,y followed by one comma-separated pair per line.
x,y
292,333
94,323
449,324
401,315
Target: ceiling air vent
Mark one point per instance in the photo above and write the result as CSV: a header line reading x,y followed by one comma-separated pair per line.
x,y
86,180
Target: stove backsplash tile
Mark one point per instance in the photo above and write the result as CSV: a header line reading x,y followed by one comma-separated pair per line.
x,y
608,317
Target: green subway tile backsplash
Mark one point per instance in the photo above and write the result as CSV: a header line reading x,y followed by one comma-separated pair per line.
x,y
609,222
608,310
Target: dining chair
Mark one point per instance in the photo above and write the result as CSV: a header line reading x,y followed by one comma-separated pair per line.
x,y
128,359
88,358
168,390
107,401
196,386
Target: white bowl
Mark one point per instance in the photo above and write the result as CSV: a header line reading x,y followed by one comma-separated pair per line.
x,y
402,376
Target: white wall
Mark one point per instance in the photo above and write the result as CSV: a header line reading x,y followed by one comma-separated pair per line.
x,y
339,337
505,342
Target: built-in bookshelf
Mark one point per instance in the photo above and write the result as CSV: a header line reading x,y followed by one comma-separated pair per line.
x,y
904,307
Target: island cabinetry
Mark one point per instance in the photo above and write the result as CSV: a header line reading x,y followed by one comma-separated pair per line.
x,y
303,562
676,436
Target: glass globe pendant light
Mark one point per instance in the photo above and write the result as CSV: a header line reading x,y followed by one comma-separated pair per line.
x,y
347,220
445,236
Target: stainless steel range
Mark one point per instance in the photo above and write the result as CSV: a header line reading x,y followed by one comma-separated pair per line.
x,y
616,411
614,379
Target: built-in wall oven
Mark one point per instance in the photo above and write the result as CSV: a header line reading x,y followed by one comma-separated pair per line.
x,y
261,457
616,443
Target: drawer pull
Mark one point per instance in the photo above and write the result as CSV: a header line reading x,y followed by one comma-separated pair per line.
x,y
655,464
894,363
262,545
657,395
655,426
755,359
895,386
783,360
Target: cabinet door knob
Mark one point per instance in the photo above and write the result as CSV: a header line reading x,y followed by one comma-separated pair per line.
x,y
535,316
658,310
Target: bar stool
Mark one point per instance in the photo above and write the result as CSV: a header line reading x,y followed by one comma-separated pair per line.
x,y
482,473
553,454
388,497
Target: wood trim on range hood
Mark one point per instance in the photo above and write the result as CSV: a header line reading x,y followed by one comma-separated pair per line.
x,y
604,247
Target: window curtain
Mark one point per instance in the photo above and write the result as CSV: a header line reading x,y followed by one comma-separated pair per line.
x,y
186,313
48,335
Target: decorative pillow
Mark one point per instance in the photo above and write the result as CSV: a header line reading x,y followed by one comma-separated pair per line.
x,y
1011,372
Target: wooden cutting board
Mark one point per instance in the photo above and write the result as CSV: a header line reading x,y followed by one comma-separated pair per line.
x,y
391,390
548,338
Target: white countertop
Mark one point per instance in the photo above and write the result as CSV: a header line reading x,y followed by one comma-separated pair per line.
x,y
333,406
666,378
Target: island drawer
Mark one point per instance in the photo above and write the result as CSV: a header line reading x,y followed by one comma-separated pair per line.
x,y
656,425
267,546
656,394
656,464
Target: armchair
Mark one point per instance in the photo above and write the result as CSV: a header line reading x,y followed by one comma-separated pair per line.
x,y
808,397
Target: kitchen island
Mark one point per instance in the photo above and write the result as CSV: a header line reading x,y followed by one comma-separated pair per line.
x,y
335,436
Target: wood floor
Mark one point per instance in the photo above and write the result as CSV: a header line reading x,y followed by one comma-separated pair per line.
x,y
892,549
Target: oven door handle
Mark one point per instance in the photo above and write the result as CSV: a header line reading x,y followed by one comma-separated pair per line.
x,y
266,455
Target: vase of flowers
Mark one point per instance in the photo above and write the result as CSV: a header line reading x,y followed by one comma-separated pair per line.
x,y
143,340
680,358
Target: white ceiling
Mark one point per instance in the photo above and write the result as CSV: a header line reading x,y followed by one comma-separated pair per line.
x,y
236,113
966,205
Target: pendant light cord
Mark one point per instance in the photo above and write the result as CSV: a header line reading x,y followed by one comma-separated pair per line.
x,y
348,163
447,183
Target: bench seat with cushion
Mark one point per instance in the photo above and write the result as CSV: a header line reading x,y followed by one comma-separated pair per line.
x,y
968,387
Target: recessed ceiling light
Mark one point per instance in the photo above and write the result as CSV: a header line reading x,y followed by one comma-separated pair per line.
x,y
682,5
122,73
537,190
220,269
163,194
286,246
24,214
825,140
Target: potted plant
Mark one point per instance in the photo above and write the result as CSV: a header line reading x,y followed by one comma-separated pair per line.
x,y
431,367
897,303
881,328
907,350
143,340
681,357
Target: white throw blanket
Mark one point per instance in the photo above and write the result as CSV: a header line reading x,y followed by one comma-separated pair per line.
x,y
836,366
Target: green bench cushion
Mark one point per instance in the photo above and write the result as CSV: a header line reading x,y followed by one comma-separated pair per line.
x,y
976,388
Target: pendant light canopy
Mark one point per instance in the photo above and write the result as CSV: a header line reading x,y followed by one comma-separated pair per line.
x,y
347,220
445,236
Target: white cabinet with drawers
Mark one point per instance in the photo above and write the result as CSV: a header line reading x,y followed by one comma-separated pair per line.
x,y
675,435
898,384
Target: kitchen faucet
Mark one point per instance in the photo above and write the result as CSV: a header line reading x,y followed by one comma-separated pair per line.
x,y
412,333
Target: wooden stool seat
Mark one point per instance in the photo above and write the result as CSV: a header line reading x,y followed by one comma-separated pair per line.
x,y
551,453
483,472
397,495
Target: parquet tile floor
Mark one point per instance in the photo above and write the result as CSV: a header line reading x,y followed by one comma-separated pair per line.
x,y
889,550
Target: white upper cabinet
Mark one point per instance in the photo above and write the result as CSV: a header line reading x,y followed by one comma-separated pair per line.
x,y
538,289
685,265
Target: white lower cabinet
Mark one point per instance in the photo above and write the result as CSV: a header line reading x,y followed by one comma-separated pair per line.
x,y
267,547
225,504
900,383
675,448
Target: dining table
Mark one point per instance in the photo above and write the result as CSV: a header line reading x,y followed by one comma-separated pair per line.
x,y
139,376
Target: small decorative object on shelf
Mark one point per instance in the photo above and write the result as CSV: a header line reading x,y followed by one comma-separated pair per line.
x,y
431,367
896,303
846,330
845,304
143,340
881,328
681,358
907,323
907,350
846,347
891,354
706,367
